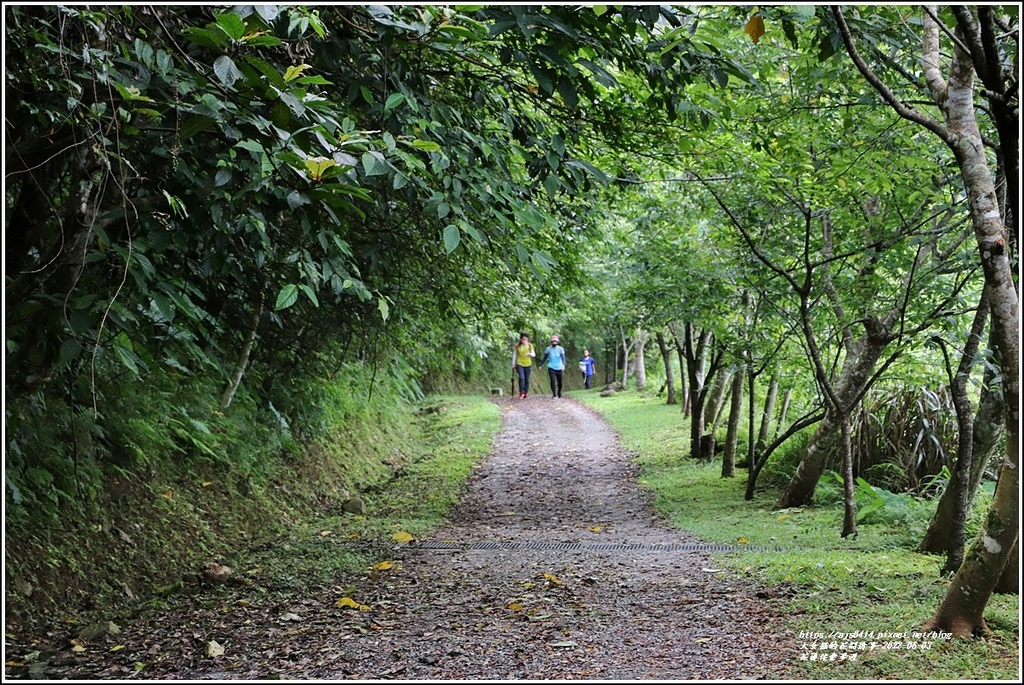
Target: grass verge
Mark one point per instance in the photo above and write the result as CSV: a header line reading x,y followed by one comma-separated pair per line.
x,y
448,439
870,585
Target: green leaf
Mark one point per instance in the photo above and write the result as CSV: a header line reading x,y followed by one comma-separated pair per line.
x,y
310,294
293,72
383,308
452,238
194,125
231,24
226,70
428,145
206,38
286,298
394,100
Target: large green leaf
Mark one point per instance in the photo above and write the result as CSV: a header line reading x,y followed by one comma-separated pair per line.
x,y
452,238
287,297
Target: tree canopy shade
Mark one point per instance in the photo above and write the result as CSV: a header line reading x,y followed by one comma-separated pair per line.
x,y
254,195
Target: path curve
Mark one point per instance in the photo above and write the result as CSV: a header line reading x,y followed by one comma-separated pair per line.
x,y
557,474
555,596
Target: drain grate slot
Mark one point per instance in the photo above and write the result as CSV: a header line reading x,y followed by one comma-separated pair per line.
x,y
509,545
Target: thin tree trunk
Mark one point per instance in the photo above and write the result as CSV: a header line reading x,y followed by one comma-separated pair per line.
x,y
716,397
732,433
854,377
849,492
640,363
965,438
988,429
243,360
684,389
787,397
767,415
666,357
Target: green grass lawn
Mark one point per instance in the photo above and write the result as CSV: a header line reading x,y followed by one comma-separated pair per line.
x,y
874,583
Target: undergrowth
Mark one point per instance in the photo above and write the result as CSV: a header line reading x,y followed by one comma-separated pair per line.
x,y
163,482
875,582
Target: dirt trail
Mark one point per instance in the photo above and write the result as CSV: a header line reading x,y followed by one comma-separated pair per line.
x,y
555,596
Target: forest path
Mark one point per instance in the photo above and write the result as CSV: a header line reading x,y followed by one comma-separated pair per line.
x,y
531,580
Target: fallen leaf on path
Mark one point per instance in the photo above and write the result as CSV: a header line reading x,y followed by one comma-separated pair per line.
x,y
348,602
383,566
325,533
214,649
554,579
594,529
563,644
514,606
402,536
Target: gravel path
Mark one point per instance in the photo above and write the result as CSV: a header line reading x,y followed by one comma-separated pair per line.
x,y
553,567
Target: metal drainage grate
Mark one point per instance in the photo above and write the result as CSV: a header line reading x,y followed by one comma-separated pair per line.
x,y
583,547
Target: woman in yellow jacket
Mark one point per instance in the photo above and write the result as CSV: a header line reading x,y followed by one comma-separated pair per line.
x,y
522,361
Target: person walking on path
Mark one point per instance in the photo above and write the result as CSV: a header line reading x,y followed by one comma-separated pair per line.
x,y
554,355
587,367
522,361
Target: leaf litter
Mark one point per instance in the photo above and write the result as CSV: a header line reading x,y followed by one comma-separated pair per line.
x,y
530,613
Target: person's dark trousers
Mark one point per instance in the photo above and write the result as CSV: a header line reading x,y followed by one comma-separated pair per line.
x,y
524,378
556,382
586,381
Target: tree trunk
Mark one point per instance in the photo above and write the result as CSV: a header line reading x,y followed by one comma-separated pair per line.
x,y
640,365
962,609
849,490
716,397
666,357
1009,582
787,397
243,360
732,433
854,377
988,429
965,437
961,612
766,417
684,389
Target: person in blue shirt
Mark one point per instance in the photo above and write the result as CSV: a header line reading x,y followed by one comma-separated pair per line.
x,y
587,367
554,356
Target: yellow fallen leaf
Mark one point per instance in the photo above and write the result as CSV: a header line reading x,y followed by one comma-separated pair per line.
x,y
554,579
169,494
514,606
527,584
353,536
325,533
742,540
117,648
402,536
703,639
783,517
383,566
77,646
348,602
207,483
594,529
